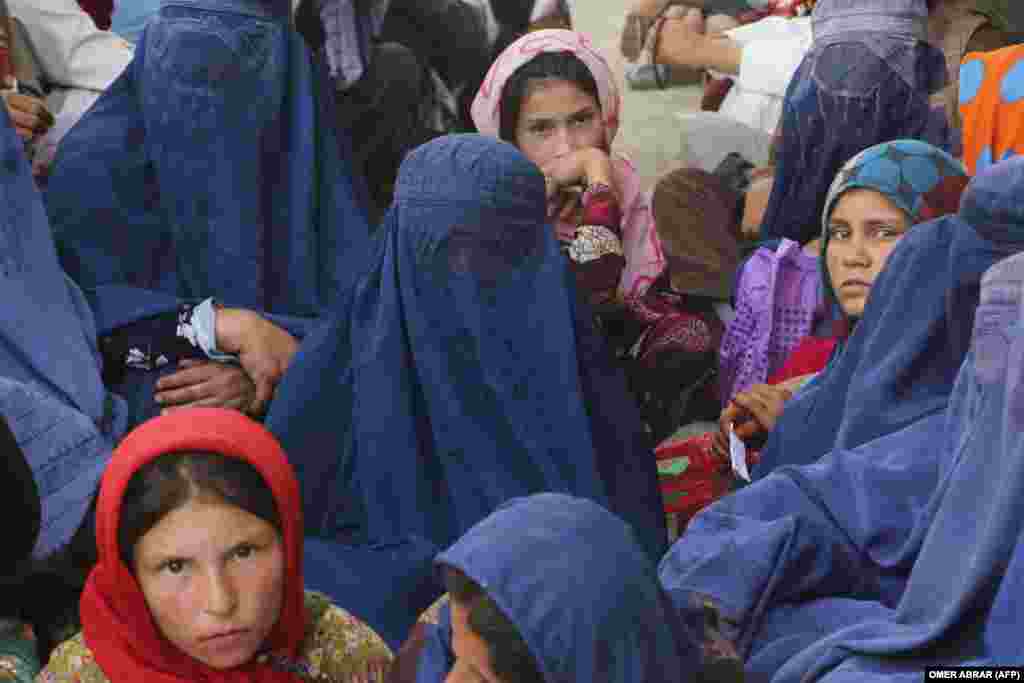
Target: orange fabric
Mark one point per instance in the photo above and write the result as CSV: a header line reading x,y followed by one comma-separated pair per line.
x,y
992,106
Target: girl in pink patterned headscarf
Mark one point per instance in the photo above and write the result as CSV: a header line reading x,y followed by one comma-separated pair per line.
x,y
552,95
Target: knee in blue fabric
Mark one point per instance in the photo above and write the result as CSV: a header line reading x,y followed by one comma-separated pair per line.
x,y
790,628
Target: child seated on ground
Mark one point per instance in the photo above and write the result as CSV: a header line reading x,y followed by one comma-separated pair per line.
x,y
199,532
873,202
520,610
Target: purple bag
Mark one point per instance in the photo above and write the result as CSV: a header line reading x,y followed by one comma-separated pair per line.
x,y
778,298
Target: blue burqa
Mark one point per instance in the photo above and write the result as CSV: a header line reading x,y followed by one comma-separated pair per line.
x,y
894,539
902,359
867,79
208,169
461,371
66,423
961,605
579,589
51,391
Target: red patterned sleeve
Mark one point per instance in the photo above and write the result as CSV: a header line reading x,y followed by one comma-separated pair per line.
x,y
596,249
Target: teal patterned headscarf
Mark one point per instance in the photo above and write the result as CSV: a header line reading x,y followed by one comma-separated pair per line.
x,y
919,178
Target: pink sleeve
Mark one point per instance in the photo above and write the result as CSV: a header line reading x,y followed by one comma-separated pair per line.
x,y
644,259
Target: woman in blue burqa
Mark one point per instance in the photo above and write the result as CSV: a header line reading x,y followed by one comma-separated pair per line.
x,y
461,370
867,79
873,563
51,392
208,174
66,423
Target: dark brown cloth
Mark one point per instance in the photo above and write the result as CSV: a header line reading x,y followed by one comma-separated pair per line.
x,y
101,12
19,510
697,218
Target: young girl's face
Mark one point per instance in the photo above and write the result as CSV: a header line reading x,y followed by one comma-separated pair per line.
x,y
213,578
557,117
472,656
864,228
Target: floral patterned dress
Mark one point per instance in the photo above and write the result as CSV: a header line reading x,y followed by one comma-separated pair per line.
x,y
338,649
18,662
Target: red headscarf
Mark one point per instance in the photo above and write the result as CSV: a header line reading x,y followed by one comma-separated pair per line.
x,y
116,621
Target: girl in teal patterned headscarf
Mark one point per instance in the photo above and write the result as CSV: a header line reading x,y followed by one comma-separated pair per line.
x,y
925,183
921,180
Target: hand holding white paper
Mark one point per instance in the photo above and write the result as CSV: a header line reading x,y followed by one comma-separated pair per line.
x,y
738,455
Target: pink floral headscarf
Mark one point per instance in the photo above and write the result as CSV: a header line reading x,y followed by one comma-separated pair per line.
x,y
644,258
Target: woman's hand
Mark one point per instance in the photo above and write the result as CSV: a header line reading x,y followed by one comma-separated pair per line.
x,y
30,116
207,383
765,403
683,42
580,167
794,384
751,415
264,349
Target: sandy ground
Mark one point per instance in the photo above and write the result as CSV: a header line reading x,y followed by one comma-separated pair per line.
x,y
650,134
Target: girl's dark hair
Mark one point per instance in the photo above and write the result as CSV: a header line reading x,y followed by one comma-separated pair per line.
x,y
510,656
563,66
171,480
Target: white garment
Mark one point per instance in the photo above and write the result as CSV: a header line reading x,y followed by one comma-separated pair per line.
x,y
772,50
79,60
72,51
708,137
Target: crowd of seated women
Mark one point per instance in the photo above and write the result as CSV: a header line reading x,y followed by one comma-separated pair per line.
x,y
338,343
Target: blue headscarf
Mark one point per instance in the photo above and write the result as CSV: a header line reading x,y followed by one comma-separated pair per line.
x,y
861,536
856,87
902,359
51,392
461,371
208,169
574,581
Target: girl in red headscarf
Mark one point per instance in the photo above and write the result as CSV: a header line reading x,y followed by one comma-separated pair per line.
x,y
199,578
